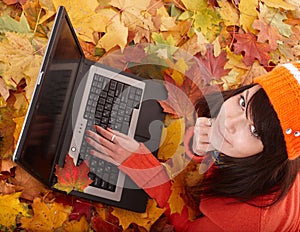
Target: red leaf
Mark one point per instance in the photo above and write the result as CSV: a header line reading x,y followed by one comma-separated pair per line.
x,y
80,207
72,177
101,225
181,99
211,67
248,44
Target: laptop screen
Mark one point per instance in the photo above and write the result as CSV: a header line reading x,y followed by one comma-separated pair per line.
x,y
61,62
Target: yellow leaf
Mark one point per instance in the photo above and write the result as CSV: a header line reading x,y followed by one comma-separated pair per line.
x,y
135,16
19,123
142,219
194,5
228,12
279,4
48,7
10,208
171,140
18,60
46,217
83,16
196,44
177,71
167,22
76,226
248,14
175,201
116,35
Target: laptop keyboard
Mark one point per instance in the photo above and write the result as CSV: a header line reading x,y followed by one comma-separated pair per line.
x,y
110,104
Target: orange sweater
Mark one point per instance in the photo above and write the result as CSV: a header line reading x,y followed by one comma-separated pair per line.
x,y
150,175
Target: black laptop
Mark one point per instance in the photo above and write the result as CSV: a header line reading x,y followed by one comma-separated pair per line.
x,y
71,95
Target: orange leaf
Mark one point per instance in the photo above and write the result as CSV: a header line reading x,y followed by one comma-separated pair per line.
x,y
71,177
46,217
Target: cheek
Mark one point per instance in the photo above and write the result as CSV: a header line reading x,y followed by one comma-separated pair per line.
x,y
247,147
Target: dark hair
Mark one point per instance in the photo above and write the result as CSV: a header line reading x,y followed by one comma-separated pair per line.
x,y
268,173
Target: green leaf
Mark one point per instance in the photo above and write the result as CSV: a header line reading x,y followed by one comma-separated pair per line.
x,y
7,23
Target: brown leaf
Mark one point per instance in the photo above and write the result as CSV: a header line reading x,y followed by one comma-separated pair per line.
x,y
31,187
267,33
248,44
180,102
211,67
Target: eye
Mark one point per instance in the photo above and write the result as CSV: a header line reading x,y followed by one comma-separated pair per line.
x,y
242,102
254,131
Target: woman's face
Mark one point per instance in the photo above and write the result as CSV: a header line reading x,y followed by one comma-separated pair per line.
x,y
233,132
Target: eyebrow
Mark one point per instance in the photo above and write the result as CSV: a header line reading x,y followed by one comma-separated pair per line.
x,y
247,102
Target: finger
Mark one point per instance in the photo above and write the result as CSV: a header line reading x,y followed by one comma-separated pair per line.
x,y
203,121
104,133
103,156
117,133
202,148
95,144
98,141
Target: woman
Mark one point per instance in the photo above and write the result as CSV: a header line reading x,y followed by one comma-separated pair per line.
x,y
254,138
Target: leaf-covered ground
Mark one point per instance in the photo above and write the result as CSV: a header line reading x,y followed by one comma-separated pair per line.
x,y
193,45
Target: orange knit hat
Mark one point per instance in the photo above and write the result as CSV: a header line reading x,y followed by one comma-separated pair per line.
x,y
282,86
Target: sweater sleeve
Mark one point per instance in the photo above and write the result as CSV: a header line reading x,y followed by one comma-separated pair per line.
x,y
148,173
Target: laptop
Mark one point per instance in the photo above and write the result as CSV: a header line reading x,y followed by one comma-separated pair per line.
x,y
71,95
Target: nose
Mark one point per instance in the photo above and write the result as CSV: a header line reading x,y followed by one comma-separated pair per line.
x,y
233,122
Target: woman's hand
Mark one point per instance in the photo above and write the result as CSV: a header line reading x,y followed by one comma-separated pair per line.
x,y
202,133
111,145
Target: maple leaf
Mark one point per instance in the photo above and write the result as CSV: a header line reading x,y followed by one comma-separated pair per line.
x,y
208,22
172,137
181,99
196,44
7,170
104,221
248,44
7,23
7,127
213,67
276,19
76,226
280,4
19,60
35,18
46,217
248,14
84,18
13,207
135,16
115,32
72,177
31,187
267,33
153,212
228,12
177,71
80,207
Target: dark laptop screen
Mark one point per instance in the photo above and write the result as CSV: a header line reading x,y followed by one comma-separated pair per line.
x,y
62,61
